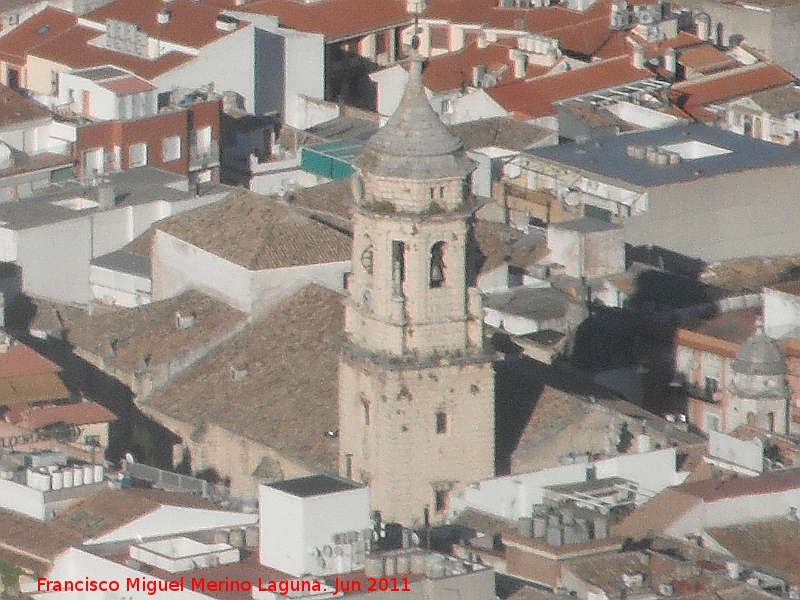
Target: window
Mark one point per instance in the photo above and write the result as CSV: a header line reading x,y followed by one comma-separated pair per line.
x,y
437,265
771,421
171,148
398,265
348,466
440,501
710,387
441,422
365,406
712,423
137,155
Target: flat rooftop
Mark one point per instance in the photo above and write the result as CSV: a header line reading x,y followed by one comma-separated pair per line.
x,y
705,152
315,485
71,200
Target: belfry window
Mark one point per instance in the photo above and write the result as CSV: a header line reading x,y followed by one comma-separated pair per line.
x,y
398,265
437,272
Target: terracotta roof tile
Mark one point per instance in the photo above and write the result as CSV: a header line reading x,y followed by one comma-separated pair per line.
x,y
706,59
693,95
22,360
258,232
72,49
281,403
147,331
335,19
771,544
128,85
656,515
454,70
32,388
719,489
191,23
39,29
533,99
16,109
80,413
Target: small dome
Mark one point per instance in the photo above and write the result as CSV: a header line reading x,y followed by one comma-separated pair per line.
x,y
759,355
414,143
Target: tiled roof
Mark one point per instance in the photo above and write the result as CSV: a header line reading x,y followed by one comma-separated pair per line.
x,y
578,32
728,85
502,132
20,360
110,509
41,539
771,544
657,515
533,99
15,109
720,334
80,413
191,23
258,232
32,388
39,29
335,19
778,101
288,399
454,70
128,85
72,49
499,244
144,333
617,44
706,59
720,489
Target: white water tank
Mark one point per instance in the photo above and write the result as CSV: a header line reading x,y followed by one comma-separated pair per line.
x,y
77,476
56,480
99,473
88,475
69,477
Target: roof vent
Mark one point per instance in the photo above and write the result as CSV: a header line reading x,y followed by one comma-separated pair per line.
x,y
226,22
184,321
164,16
238,374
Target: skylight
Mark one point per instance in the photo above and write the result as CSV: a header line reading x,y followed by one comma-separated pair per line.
x,y
76,203
694,150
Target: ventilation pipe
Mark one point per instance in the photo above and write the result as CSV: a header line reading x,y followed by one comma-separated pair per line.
x,y
638,56
671,61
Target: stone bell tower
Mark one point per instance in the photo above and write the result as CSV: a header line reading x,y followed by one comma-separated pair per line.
x,y
416,388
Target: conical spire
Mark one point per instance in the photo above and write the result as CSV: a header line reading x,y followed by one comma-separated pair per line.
x,y
414,143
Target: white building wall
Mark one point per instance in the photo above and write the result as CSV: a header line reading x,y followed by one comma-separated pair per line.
x,y
273,285
513,496
781,313
55,260
110,230
304,72
8,245
735,511
281,542
178,266
22,499
475,105
328,514
227,63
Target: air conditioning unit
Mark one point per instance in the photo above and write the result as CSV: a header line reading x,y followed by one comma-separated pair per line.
x,y
12,19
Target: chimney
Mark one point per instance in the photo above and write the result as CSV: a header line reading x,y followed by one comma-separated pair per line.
x,y
163,16
703,24
671,61
520,60
638,55
478,75
483,41
106,197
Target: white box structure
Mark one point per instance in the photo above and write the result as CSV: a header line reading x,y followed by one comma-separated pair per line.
x,y
317,525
